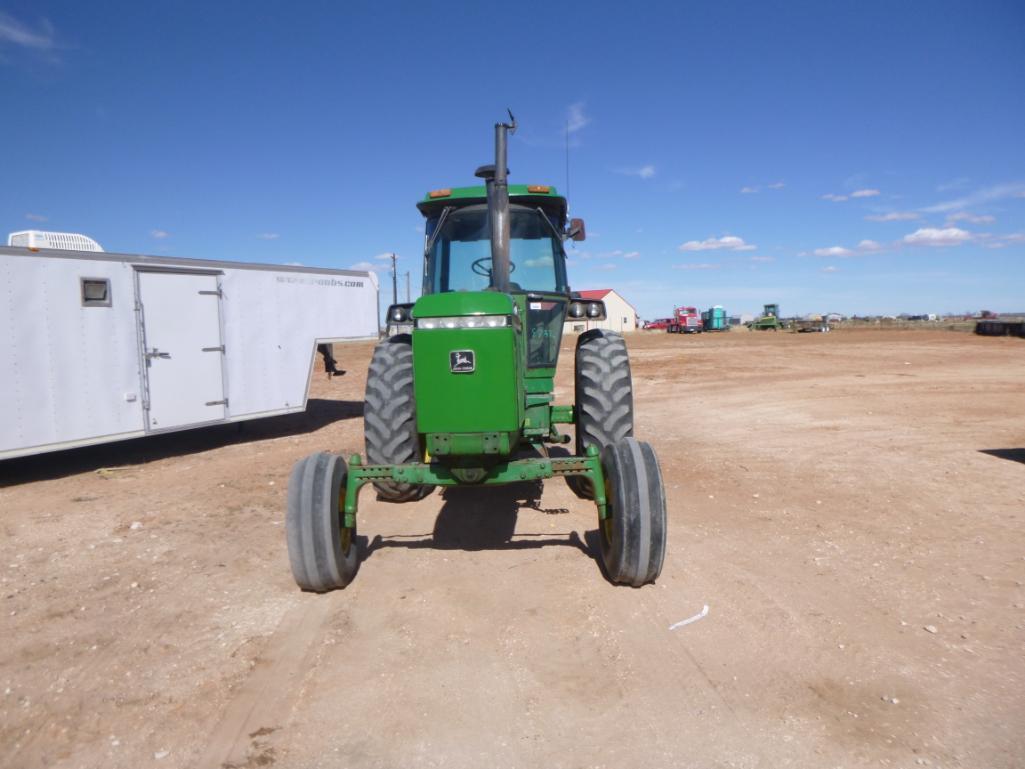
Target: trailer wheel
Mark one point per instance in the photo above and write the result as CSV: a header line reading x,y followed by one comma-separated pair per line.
x,y
633,534
323,553
604,397
389,416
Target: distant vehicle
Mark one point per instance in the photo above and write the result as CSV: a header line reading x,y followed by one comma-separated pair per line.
x,y
657,325
769,320
714,319
685,320
810,325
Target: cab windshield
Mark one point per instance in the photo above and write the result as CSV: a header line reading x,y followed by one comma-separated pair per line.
x,y
460,256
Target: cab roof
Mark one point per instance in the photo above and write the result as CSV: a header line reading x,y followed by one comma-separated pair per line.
x,y
523,194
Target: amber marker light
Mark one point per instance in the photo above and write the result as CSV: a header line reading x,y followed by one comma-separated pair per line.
x,y
542,188
439,194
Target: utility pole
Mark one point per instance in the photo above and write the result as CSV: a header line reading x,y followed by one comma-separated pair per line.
x,y
394,281
407,286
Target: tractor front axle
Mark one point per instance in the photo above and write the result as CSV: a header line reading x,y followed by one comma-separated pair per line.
x,y
438,474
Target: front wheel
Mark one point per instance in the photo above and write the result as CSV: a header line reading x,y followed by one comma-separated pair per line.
x,y
322,551
633,533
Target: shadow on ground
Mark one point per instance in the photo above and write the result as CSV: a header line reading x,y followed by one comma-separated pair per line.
x,y
484,518
319,413
1015,455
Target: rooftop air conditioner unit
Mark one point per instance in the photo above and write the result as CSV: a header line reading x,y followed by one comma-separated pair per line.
x,y
67,241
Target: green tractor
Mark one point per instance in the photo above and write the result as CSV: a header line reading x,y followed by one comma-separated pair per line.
x,y
466,398
769,320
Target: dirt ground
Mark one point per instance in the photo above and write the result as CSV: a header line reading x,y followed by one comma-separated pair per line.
x,y
849,506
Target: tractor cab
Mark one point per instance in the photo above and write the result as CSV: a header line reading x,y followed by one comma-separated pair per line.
x,y
458,257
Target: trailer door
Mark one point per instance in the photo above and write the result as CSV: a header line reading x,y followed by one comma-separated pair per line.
x,y
181,336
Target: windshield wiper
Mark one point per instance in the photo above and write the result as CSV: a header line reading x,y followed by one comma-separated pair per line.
x,y
558,235
434,235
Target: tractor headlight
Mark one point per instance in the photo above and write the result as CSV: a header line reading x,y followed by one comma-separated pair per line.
x,y
464,321
576,310
400,313
594,310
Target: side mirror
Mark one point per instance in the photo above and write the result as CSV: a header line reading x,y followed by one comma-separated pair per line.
x,y
576,230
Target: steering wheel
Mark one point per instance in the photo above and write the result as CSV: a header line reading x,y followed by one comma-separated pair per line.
x,y
479,268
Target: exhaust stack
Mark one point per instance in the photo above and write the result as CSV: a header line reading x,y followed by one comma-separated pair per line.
x,y
496,178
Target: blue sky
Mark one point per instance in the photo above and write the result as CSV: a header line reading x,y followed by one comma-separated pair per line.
x,y
851,157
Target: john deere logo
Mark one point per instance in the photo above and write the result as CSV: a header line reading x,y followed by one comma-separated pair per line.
x,y
461,361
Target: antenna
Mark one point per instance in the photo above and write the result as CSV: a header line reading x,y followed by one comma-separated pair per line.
x,y
567,164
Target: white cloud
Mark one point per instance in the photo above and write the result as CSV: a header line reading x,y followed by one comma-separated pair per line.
x,y
984,195
609,266
159,234
383,257
632,255
952,184
366,267
865,246
294,264
893,216
964,216
1002,241
763,258
729,242
834,197
576,118
830,268
776,186
35,217
268,236
541,261
748,190
866,193
697,266
644,172
833,251
14,32
932,236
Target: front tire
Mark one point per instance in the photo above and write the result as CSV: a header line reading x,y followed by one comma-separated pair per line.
x,y
323,553
633,533
389,416
604,397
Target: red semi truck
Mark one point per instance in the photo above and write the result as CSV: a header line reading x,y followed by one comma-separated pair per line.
x,y
685,320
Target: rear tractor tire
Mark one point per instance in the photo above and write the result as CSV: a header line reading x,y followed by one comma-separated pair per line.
x,y
604,397
389,416
633,533
323,553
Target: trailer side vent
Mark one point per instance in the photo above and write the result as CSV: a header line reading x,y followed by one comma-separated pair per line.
x,y
96,292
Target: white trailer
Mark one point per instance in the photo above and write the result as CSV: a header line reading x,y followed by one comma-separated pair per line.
x,y
100,347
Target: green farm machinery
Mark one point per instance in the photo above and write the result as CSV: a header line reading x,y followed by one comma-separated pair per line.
x,y
769,320
466,398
